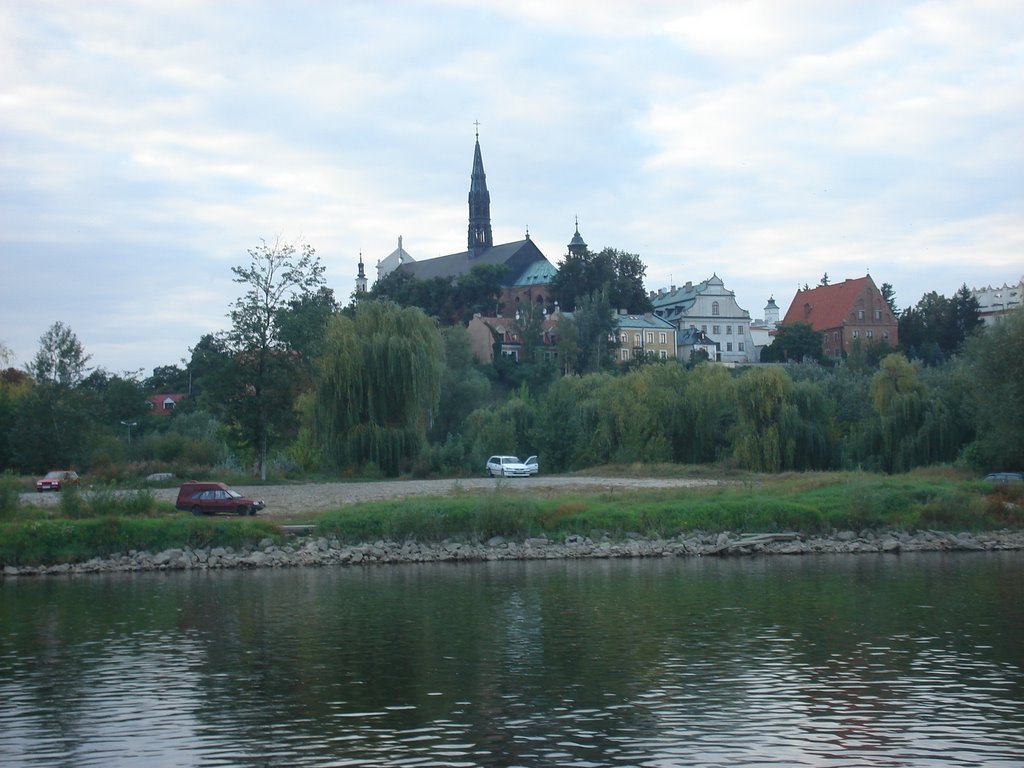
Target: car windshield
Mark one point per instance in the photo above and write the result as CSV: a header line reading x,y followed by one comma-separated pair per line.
x,y
510,460
53,475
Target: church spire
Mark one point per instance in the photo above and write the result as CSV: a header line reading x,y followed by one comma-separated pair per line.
x,y
479,204
361,277
576,246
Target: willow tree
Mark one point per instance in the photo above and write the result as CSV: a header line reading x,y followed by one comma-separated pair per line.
x,y
378,382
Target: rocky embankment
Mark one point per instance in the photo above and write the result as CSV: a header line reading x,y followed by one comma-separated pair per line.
x,y
315,551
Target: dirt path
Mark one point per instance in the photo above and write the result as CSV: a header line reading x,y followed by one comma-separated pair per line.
x,y
295,500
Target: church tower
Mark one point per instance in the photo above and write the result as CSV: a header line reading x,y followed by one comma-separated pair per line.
x,y
361,276
576,246
480,236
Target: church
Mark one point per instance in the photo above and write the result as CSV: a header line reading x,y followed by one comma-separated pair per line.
x,y
529,273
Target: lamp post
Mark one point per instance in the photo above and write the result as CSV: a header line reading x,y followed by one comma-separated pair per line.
x,y
130,424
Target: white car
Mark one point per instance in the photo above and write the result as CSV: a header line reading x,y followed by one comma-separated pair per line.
x,y
507,466
532,465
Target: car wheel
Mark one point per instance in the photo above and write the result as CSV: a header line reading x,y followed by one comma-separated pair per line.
x,y
197,511
243,511
252,511
490,472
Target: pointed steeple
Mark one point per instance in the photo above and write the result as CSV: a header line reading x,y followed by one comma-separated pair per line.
x,y
479,205
361,276
576,246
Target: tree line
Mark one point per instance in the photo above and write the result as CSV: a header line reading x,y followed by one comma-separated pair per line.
x,y
299,385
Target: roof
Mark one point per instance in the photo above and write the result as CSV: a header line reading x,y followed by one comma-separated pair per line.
x,y
826,306
643,321
518,257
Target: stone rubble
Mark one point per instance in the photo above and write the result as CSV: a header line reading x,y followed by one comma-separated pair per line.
x,y
319,551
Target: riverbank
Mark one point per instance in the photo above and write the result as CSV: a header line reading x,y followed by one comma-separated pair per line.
x,y
315,551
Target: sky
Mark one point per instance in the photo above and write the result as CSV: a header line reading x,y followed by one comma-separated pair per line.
x,y
145,146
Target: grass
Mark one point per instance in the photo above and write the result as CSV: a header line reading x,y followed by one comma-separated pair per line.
x,y
100,524
811,504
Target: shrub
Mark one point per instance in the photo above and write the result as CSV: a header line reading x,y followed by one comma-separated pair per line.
x,y
10,495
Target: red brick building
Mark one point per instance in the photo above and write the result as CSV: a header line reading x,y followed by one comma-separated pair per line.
x,y
847,314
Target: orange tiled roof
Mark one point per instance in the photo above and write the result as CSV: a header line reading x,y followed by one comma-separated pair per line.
x,y
826,306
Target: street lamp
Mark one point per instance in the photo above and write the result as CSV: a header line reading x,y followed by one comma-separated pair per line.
x,y
130,424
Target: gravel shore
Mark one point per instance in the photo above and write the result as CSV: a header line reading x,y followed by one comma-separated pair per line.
x,y
289,501
321,552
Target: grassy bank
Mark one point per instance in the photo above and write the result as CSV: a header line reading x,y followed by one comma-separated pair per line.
x,y
806,503
814,503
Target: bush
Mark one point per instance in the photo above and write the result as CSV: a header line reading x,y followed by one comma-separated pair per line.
x,y
10,495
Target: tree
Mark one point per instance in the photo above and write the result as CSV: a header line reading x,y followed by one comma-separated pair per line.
x,y
793,342
50,426
936,328
889,294
618,273
824,280
451,301
995,359
595,327
168,379
262,404
378,379
61,360
463,387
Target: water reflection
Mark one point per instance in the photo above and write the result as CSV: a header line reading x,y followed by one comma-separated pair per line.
x,y
912,660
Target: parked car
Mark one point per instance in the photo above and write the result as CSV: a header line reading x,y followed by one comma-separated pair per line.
x,y
56,479
507,466
532,465
1005,477
211,498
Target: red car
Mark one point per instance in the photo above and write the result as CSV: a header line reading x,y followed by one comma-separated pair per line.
x,y
211,498
57,479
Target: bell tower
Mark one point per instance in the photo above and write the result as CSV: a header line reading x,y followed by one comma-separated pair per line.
x,y
480,236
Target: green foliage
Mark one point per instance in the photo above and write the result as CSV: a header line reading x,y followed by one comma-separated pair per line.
x,y
450,301
617,274
936,328
995,396
379,376
794,342
10,493
263,376
434,519
63,541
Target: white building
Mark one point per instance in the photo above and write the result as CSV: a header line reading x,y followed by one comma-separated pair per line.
x,y
994,303
393,260
710,308
763,331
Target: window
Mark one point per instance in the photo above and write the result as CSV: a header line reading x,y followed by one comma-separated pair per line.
x,y
860,314
693,327
728,330
728,346
741,346
703,329
625,354
870,334
623,338
714,308
878,314
716,329
664,355
885,335
856,334
636,339
650,337
739,330
662,338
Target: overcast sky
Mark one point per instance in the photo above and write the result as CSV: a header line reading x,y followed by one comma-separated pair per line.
x,y
145,146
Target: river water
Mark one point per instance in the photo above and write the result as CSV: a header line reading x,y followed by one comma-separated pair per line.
x,y
881,660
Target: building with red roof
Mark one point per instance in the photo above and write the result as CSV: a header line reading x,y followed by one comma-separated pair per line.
x,y
849,314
